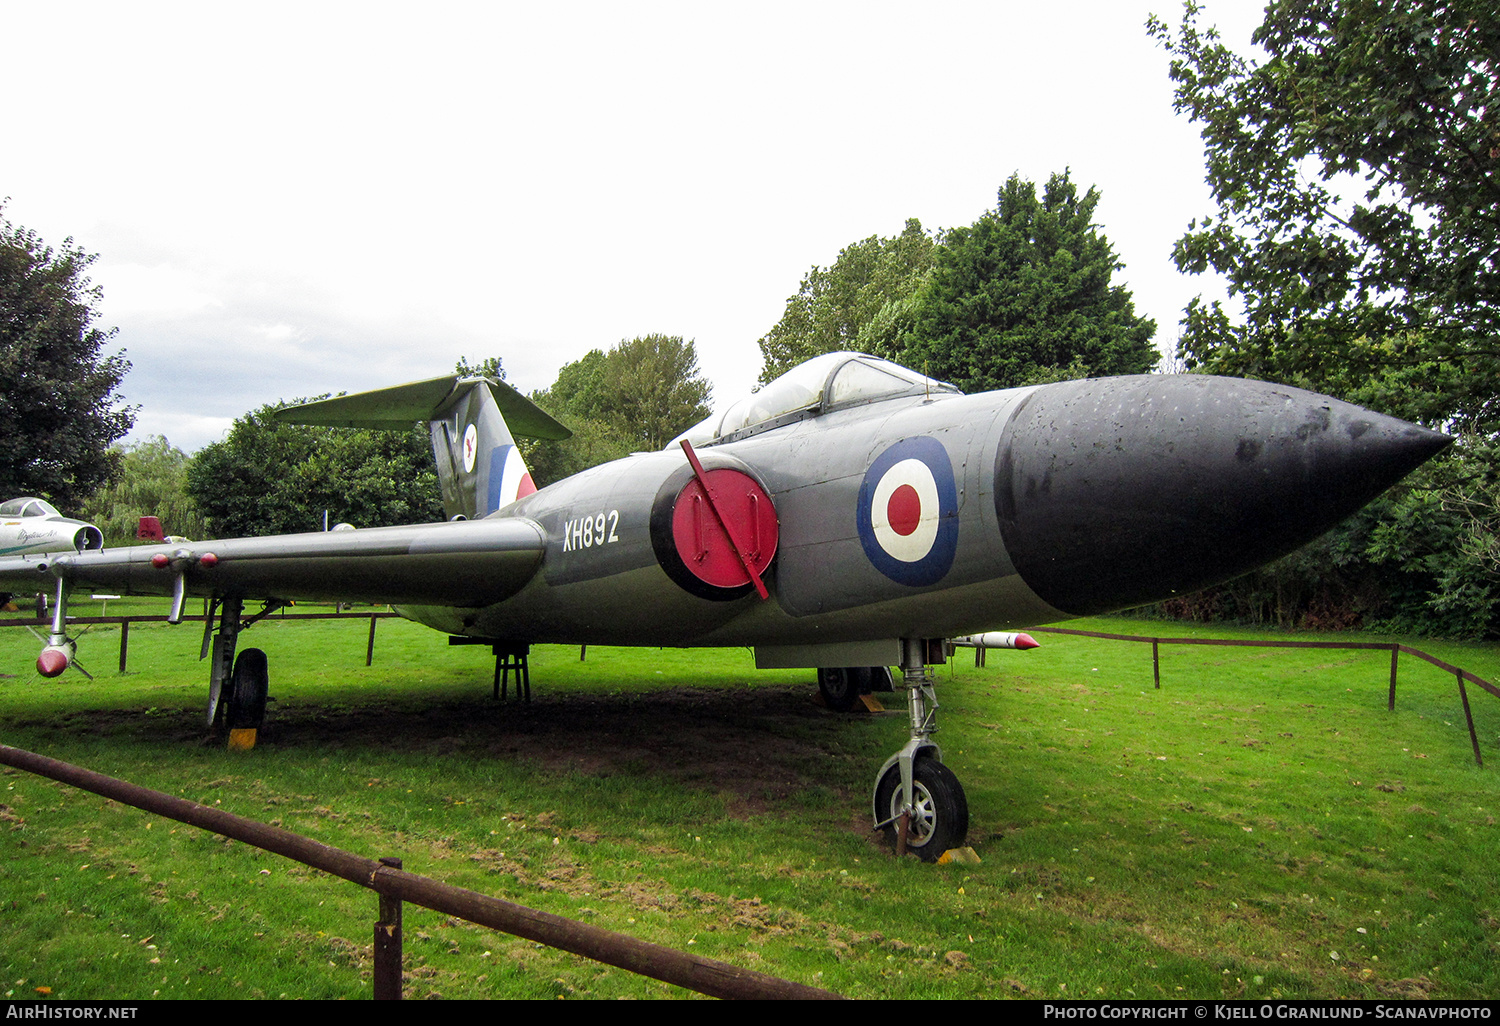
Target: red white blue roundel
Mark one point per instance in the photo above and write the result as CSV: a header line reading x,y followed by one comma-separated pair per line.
x,y
908,512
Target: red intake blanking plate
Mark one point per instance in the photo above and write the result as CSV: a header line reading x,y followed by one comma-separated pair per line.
x,y
702,544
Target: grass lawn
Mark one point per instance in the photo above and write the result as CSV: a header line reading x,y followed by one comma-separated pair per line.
x,y
1259,827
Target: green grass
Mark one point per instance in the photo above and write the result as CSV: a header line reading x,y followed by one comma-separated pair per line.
x,y
1259,827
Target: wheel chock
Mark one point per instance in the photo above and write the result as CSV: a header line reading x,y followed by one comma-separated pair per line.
x,y
242,739
872,703
965,855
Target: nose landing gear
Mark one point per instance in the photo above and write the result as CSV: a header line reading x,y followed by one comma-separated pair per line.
x,y
918,802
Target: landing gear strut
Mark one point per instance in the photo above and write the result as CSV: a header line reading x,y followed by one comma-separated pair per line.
x,y
237,687
918,801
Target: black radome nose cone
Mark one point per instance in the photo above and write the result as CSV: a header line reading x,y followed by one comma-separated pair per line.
x,y
1115,492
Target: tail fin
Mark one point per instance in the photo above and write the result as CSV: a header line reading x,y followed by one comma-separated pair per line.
x,y
470,421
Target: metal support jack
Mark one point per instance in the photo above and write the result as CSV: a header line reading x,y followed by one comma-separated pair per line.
x,y
508,658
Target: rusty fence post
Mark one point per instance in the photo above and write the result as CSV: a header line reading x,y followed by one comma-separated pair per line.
x,y
124,642
1156,660
388,943
370,648
1390,702
1473,737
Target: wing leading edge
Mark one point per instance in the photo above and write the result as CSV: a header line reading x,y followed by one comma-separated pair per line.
x,y
467,563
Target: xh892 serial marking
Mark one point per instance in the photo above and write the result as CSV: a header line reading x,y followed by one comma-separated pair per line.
x,y
586,532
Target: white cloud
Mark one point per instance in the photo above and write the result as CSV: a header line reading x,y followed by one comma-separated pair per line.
x,y
295,199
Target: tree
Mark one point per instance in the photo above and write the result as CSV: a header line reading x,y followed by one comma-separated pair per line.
x,y
1023,294
152,482
1356,173
272,478
489,367
59,413
653,389
846,306
1356,177
637,396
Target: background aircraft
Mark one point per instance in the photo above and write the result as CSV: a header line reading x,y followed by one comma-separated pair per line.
x,y
851,514
30,525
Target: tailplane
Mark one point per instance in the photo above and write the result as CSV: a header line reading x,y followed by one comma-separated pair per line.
x,y
470,420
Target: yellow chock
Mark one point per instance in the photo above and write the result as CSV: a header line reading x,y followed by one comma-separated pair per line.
x,y
872,703
242,739
965,854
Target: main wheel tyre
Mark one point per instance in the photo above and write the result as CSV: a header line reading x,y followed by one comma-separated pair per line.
x,y
840,686
248,688
940,818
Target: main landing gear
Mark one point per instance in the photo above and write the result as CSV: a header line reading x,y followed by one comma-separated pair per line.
x,y
918,801
841,686
238,687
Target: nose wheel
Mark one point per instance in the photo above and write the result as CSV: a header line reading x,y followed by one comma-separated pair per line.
x,y
939,814
918,802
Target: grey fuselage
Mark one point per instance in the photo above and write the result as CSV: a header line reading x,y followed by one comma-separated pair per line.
x,y
1066,500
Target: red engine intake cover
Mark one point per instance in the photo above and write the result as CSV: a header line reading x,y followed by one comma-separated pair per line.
x,y
701,543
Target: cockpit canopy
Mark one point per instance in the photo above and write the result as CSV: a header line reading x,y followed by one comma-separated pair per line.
x,y
833,381
28,506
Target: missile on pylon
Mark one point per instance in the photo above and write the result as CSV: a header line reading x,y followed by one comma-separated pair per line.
x,y
997,639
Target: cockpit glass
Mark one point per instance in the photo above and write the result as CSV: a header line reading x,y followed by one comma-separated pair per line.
x,y
860,380
824,382
27,507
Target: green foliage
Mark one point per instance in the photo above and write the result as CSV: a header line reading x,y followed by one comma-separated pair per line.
x,y
636,397
489,367
1354,172
272,478
852,304
59,413
1024,293
1355,177
152,482
654,389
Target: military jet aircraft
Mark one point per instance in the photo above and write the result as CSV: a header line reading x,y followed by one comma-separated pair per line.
x,y
29,525
852,513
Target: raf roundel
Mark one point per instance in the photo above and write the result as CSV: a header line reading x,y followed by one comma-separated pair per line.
x,y
908,512
471,448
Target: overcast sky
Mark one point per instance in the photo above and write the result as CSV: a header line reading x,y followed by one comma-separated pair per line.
x,y
293,199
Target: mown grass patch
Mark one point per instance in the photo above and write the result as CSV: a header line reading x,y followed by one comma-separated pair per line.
x,y
1259,827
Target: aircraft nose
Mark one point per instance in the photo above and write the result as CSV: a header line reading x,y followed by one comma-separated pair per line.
x,y
1116,492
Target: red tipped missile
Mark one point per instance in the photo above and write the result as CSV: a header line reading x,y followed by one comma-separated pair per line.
x,y
998,639
53,660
